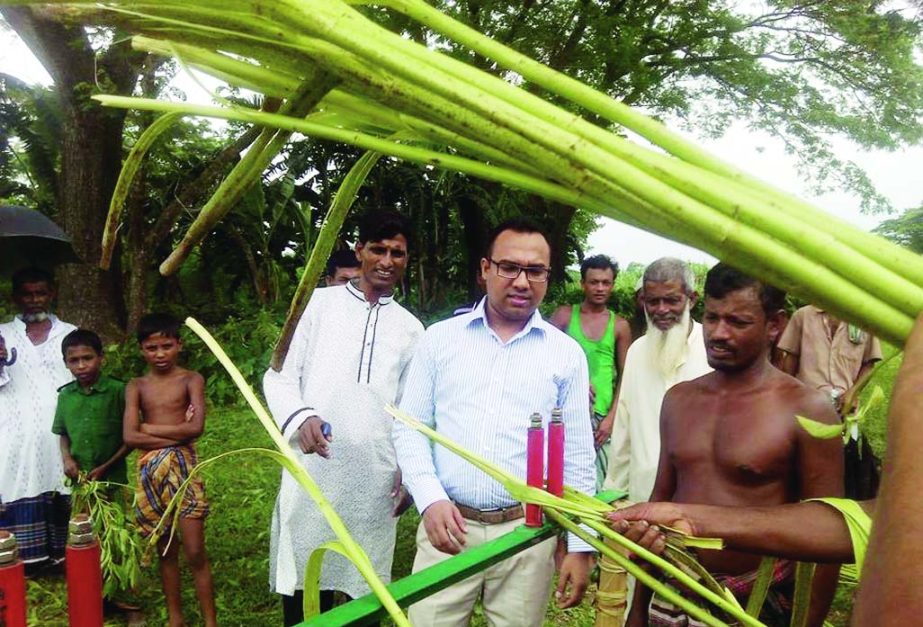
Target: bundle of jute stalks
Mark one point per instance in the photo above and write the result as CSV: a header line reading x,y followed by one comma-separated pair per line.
x,y
341,76
574,511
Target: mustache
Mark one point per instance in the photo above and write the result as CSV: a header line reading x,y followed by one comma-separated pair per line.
x,y
666,316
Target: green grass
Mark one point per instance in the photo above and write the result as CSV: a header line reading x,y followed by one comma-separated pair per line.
x,y
876,423
242,492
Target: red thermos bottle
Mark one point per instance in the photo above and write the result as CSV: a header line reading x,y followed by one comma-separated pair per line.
x,y
535,467
12,583
84,575
556,453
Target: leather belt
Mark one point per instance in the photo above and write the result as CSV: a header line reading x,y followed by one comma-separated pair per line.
x,y
491,516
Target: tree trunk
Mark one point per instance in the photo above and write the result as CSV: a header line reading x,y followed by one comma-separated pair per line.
x,y
475,229
91,157
90,161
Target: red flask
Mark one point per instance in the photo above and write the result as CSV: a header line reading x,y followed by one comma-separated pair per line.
x,y
84,575
535,467
12,583
556,453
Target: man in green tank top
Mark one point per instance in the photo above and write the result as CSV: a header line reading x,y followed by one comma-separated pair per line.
x,y
605,338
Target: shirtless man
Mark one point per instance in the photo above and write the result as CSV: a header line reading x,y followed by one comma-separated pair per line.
x,y
730,438
171,402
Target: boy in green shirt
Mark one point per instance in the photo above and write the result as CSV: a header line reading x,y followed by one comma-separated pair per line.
x,y
89,413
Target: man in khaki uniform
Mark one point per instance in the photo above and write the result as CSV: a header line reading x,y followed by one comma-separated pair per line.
x,y
835,357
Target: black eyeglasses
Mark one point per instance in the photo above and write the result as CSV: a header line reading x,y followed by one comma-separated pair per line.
x,y
507,270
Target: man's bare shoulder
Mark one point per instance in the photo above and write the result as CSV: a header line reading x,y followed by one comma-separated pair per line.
x,y
686,391
801,399
561,316
190,375
698,385
143,380
621,324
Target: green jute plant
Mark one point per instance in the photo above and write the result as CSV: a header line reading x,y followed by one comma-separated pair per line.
x,y
571,512
684,194
285,455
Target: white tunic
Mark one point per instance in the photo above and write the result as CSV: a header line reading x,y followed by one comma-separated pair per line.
x,y
635,450
30,459
347,360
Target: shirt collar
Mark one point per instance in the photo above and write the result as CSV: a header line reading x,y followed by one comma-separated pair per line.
x,y
353,288
535,322
102,385
55,324
18,320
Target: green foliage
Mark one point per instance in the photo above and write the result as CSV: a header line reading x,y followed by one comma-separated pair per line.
x,y
237,538
29,144
248,341
875,425
802,71
906,229
113,523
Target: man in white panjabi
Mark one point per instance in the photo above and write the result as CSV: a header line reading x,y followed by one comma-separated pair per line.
x,y
33,505
346,361
672,351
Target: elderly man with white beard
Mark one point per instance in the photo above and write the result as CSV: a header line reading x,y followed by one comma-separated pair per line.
x,y
672,351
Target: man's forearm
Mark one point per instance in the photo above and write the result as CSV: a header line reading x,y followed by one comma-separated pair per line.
x,y
148,442
64,444
178,432
119,454
801,531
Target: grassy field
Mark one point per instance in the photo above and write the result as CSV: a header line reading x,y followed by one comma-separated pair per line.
x,y
242,491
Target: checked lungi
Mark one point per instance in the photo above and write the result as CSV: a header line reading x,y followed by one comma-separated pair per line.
x,y
161,472
39,524
776,612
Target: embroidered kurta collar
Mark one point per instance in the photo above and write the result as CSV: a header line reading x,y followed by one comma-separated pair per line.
x,y
353,288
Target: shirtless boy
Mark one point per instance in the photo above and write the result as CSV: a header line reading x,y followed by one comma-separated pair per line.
x,y
730,438
164,414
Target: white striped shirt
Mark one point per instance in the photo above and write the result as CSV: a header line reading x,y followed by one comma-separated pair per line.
x,y
479,392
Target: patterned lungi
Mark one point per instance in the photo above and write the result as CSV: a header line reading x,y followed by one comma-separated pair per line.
x,y
39,524
161,472
776,612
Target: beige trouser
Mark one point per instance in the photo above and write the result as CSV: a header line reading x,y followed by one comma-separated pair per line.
x,y
514,592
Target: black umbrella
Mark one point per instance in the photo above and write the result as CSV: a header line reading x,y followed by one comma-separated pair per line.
x,y
29,238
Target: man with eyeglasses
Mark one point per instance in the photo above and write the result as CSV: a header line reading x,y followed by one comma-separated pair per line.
x,y
476,378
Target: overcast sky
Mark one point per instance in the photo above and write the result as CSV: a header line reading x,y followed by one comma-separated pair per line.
x,y
896,174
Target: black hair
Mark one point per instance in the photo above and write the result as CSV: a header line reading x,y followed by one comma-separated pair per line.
x,y
723,279
341,259
520,224
375,226
155,323
31,275
598,262
81,337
